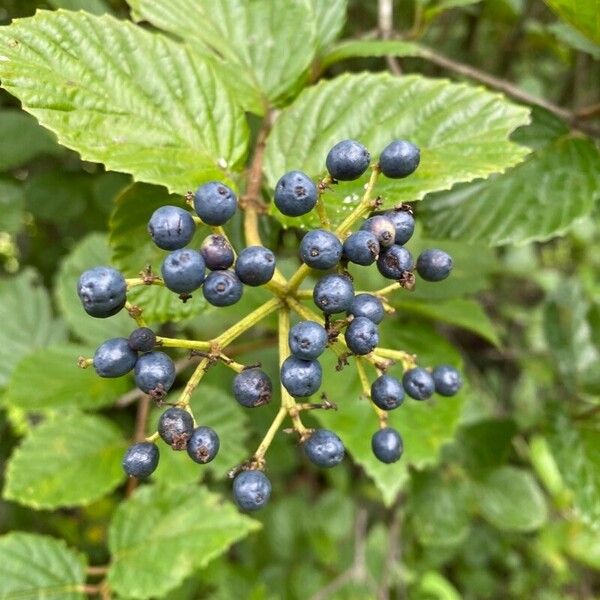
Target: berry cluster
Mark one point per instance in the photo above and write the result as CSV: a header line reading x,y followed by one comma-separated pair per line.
x,y
380,239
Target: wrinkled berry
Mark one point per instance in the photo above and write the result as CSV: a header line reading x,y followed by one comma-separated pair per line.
x,y
175,427
217,253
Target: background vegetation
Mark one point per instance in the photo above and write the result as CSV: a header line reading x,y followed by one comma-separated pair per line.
x,y
498,495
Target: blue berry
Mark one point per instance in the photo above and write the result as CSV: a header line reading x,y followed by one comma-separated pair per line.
x,y
102,291
324,448
382,228
394,261
183,271
141,459
333,293
447,380
175,427
251,490
222,288
320,249
142,339
434,265
399,159
418,383
215,203
369,306
361,248
114,358
217,253
255,265
347,160
154,373
387,445
387,392
301,377
171,227
404,224
295,194
361,336
252,388
203,445
307,340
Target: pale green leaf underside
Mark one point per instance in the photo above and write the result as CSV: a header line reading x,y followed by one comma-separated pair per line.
x,y
91,251
584,15
462,132
35,567
535,201
26,317
66,461
159,112
271,45
163,534
510,499
368,48
133,250
50,379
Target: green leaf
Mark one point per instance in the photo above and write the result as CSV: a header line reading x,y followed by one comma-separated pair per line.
x,y
89,252
218,409
162,535
462,312
96,7
66,461
545,128
537,200
35,567
462,132
33,139
248,35
153,114
26,317
50,378
368,48
584,15
511,500
330,18
133,249
570,36
11,205
433,8
434,586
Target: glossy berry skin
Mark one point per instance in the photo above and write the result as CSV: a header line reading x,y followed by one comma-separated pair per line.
x,y
324,448
404,223
154,372
114,358
142,339
399,159
255,265
347,160
171,227
102,291
361,248
252,388
299,377
295,194
418,383
307,340
387,392
369,306
320,249
394,261
141,460
387,445
218,255
382,228
434,265
175,427
251,490
447,380
183,271
222,288
361,336
215,203
203,445
333,293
